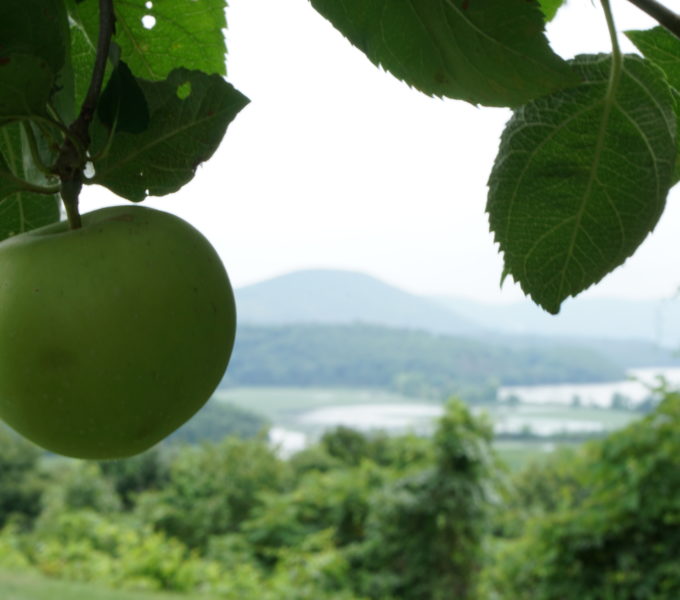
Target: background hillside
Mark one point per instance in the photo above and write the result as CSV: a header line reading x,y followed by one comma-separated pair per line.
x,y
612,335
408,361
335,296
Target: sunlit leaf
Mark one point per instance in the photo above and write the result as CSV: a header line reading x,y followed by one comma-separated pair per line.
x,y
157,37
550,8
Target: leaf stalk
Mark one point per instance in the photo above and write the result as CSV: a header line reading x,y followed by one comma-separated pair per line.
x,y
72,157
617,56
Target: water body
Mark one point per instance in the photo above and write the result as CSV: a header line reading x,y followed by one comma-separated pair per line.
x,y
287,441
636,388
542,410
372,416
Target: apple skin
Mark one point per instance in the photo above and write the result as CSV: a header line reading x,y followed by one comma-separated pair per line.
x,y
111,335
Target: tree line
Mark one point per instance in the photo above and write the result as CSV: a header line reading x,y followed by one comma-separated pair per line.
x,y
358,516
407,361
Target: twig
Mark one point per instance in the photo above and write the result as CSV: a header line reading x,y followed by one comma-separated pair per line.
x,y
73,153
665,16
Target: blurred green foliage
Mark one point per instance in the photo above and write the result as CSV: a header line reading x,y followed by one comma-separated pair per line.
x,y
358,516
410,362
20,481
602,522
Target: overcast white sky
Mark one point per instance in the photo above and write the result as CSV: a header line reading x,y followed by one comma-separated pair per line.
x,y
336,164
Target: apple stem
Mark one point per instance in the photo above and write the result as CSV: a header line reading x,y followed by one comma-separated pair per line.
x,y
72,157
70,191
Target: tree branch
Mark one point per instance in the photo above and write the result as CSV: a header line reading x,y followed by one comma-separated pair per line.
x,y
665,16
73,153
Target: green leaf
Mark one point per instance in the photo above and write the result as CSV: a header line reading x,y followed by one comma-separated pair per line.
x,y
83,53
21,210
550,8
122,102
34,38
581,178
663,49
9,182
185,33
491,52
25,86
35,27
189,114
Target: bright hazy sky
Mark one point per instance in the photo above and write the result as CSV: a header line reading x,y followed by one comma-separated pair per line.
x,y
336,164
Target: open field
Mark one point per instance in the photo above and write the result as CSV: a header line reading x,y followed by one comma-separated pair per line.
x,y
26,585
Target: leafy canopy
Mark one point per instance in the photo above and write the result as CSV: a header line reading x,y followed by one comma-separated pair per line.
x,y
163,109
581,177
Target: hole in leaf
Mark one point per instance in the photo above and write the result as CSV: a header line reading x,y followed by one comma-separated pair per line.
x,y
148,21
184,90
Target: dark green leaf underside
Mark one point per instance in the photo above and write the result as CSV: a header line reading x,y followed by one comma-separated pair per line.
x,y
35,27
184,131
25,86
490,52
122,103
579,182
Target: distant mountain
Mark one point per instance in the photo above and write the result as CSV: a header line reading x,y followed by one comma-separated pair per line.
x,y
628,333
655,321
343,297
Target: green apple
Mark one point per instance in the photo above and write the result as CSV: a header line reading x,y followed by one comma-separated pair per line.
x,y
111,335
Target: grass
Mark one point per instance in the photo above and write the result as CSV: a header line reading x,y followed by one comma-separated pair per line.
x,y
25,585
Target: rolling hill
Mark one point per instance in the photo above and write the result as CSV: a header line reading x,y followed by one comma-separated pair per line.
x,y
337,297
629,333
